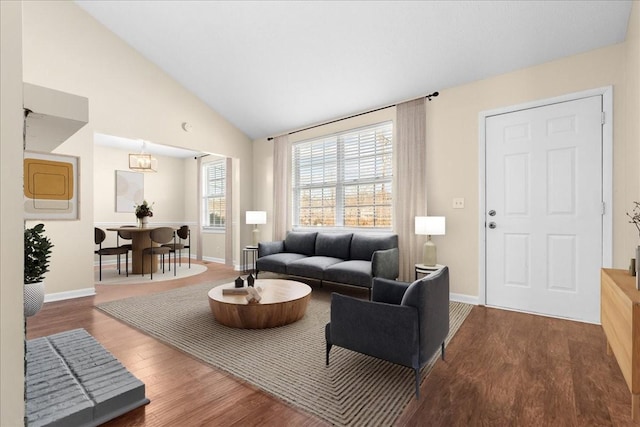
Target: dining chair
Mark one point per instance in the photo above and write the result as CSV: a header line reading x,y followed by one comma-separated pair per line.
x,y
124,235
184,234
161,236
98,237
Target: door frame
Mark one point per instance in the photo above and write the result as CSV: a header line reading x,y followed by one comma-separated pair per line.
x,y
607,174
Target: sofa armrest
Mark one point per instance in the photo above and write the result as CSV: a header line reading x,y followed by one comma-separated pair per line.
x,y
381,330
388,291
386,263
270,248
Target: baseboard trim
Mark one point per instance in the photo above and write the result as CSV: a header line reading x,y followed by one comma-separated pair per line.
x,y
211,259
467,299
78,293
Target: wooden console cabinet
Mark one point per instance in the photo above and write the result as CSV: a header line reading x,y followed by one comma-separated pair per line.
x,y
620,317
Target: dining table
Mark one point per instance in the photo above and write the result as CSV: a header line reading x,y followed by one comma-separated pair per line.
x,y
140,240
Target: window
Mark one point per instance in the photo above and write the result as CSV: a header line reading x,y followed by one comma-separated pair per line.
x,y
214,199
344,180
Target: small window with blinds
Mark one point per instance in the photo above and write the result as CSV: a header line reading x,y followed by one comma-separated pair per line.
x,y
214,199
344,180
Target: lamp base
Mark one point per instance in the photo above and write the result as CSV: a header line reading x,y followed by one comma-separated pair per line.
x,y
256,236
429,254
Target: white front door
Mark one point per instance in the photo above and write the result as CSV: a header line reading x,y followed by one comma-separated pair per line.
x,y
544,209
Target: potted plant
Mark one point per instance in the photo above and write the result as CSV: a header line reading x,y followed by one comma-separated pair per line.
x,y
37,251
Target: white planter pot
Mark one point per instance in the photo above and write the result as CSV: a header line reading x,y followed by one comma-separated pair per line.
x,y
33,298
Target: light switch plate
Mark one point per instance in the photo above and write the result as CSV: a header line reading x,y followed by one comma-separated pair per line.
x,y
458,203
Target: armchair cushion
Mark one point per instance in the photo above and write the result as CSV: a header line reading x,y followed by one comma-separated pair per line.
x,y
389,291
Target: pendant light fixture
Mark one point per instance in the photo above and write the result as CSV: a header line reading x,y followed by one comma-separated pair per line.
x,y
143,162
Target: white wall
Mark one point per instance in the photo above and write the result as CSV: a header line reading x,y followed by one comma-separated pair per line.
x,y
452,147
67,50
11,224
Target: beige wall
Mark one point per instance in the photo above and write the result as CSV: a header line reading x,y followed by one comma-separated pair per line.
x,y
171,190
11,224
452,146
631,150
67,50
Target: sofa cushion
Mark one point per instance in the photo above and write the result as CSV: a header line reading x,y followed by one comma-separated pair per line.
x,y
355,272
299,242
312,267
333,245
277,263
363,245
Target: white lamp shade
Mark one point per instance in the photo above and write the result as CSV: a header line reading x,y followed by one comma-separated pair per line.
x,y
256,217
430,225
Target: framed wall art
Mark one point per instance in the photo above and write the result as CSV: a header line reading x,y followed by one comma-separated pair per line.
x,y
129,190
50,186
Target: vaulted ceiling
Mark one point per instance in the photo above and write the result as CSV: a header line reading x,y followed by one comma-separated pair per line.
x,y
274,66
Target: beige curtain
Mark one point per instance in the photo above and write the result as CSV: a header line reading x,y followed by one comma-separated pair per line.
x,y
411,194
281,193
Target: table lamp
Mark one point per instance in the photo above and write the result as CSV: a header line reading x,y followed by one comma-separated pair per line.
x,y
255,218
430,226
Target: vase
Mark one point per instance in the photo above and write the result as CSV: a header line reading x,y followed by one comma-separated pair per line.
x,y
143,221
33,298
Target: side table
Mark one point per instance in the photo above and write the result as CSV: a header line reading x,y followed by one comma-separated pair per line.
x,y
249,253
427,269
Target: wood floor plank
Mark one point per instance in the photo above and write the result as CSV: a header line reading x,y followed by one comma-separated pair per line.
x,y
501,368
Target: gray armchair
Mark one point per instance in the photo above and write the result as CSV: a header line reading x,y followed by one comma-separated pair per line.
x,y
404,323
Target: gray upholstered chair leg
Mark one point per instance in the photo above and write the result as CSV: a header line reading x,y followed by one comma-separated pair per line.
x,y
417,370
442,350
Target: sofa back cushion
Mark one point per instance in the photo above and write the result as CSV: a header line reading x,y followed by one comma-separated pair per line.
x,y
363,245
335,245
299,242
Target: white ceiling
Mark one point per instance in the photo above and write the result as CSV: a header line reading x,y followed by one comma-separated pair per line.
x,y
271,67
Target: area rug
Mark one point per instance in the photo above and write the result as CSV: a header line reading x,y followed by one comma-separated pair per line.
x,y
110,275
287,362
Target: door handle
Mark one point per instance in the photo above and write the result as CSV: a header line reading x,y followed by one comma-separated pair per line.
x,y
492,213
492,225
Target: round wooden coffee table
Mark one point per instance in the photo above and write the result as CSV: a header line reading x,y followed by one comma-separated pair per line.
x,y
283,302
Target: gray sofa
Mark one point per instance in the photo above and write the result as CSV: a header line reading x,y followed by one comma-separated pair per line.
x,y
345,258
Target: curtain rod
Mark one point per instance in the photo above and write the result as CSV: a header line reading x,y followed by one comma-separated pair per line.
x,y
432,95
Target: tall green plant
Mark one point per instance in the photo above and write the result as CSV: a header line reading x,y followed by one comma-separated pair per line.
x,y
37,251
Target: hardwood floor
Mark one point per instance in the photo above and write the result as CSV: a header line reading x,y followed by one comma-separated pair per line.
x,y
501,368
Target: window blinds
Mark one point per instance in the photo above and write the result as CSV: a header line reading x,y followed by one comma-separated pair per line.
x,y
344,180
215,194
